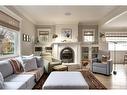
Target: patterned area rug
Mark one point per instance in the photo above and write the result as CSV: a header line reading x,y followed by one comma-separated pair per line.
x,y
92,81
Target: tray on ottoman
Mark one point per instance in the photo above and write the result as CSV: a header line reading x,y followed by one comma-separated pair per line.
x,y
65,80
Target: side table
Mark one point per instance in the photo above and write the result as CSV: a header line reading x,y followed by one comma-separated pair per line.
x,y
84,63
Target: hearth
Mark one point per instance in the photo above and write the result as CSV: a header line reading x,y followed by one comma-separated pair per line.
x,y
67,55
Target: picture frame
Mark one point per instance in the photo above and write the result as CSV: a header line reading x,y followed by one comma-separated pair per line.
x,y
24,37
27,38
44,35
66,33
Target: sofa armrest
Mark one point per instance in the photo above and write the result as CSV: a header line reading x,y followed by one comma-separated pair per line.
x,y
46,65
110,64
56,60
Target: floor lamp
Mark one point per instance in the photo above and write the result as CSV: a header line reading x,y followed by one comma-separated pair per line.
x,y
115,72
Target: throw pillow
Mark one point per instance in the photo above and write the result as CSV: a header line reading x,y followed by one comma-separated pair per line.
x,y
28,56
104,58
16,65
39,61
30,64
1,81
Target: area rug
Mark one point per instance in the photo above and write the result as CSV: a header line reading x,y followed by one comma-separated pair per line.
x,y
92,81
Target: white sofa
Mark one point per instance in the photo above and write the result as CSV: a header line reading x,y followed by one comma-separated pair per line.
x,y
19,81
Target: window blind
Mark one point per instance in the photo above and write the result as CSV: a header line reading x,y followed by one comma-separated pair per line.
x,y
8,21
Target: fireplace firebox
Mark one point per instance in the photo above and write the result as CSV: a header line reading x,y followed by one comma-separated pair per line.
x,y
67,55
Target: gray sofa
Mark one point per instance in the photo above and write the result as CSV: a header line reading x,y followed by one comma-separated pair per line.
x,y
23,80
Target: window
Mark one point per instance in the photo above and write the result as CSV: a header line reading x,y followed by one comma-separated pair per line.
x,y
117,46
88,35
117,41
44,35
9,42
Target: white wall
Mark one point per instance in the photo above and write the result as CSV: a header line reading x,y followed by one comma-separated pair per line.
x,y
27,28
74,28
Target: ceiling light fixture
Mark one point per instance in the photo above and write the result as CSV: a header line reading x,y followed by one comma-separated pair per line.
x,y
67,14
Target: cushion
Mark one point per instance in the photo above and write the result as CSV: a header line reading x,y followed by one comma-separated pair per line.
x,y
15,85
16,65
28,79
6,68
39,61
65,80
19,59
104,58
1,81
28,56
100,65
37,73
30,64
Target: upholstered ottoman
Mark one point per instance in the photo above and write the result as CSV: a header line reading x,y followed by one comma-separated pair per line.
x,y
65,80
60,68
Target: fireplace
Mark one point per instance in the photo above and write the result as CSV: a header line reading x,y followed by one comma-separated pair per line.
x,y
67,55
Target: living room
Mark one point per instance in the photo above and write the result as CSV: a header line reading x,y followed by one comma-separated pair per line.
x,y
70,39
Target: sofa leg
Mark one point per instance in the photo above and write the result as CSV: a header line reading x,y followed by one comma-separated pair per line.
x,y
114,72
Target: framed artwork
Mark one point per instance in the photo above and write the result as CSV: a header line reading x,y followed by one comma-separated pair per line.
x,y
24,37
27,38
66,33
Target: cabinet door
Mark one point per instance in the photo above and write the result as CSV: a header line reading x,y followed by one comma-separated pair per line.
x,y
95,51
85,53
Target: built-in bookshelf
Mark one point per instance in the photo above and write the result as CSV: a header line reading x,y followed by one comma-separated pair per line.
x,y
95,51
85,53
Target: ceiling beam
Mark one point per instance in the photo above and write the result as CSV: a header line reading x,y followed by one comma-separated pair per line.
x,y
115,13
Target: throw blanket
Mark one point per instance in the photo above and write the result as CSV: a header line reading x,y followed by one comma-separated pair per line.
x,y
37,73
16,65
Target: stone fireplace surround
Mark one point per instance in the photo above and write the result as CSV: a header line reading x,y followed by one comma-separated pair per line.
x,y
75,46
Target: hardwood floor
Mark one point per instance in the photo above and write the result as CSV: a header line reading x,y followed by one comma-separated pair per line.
x,y
118,81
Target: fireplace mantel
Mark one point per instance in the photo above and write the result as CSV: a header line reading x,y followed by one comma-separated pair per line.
x,y
66,43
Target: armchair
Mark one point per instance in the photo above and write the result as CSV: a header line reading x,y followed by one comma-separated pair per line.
x,y
102,68
102,64
50,62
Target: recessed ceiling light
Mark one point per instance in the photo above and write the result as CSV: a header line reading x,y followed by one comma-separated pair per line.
x,y
67,14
